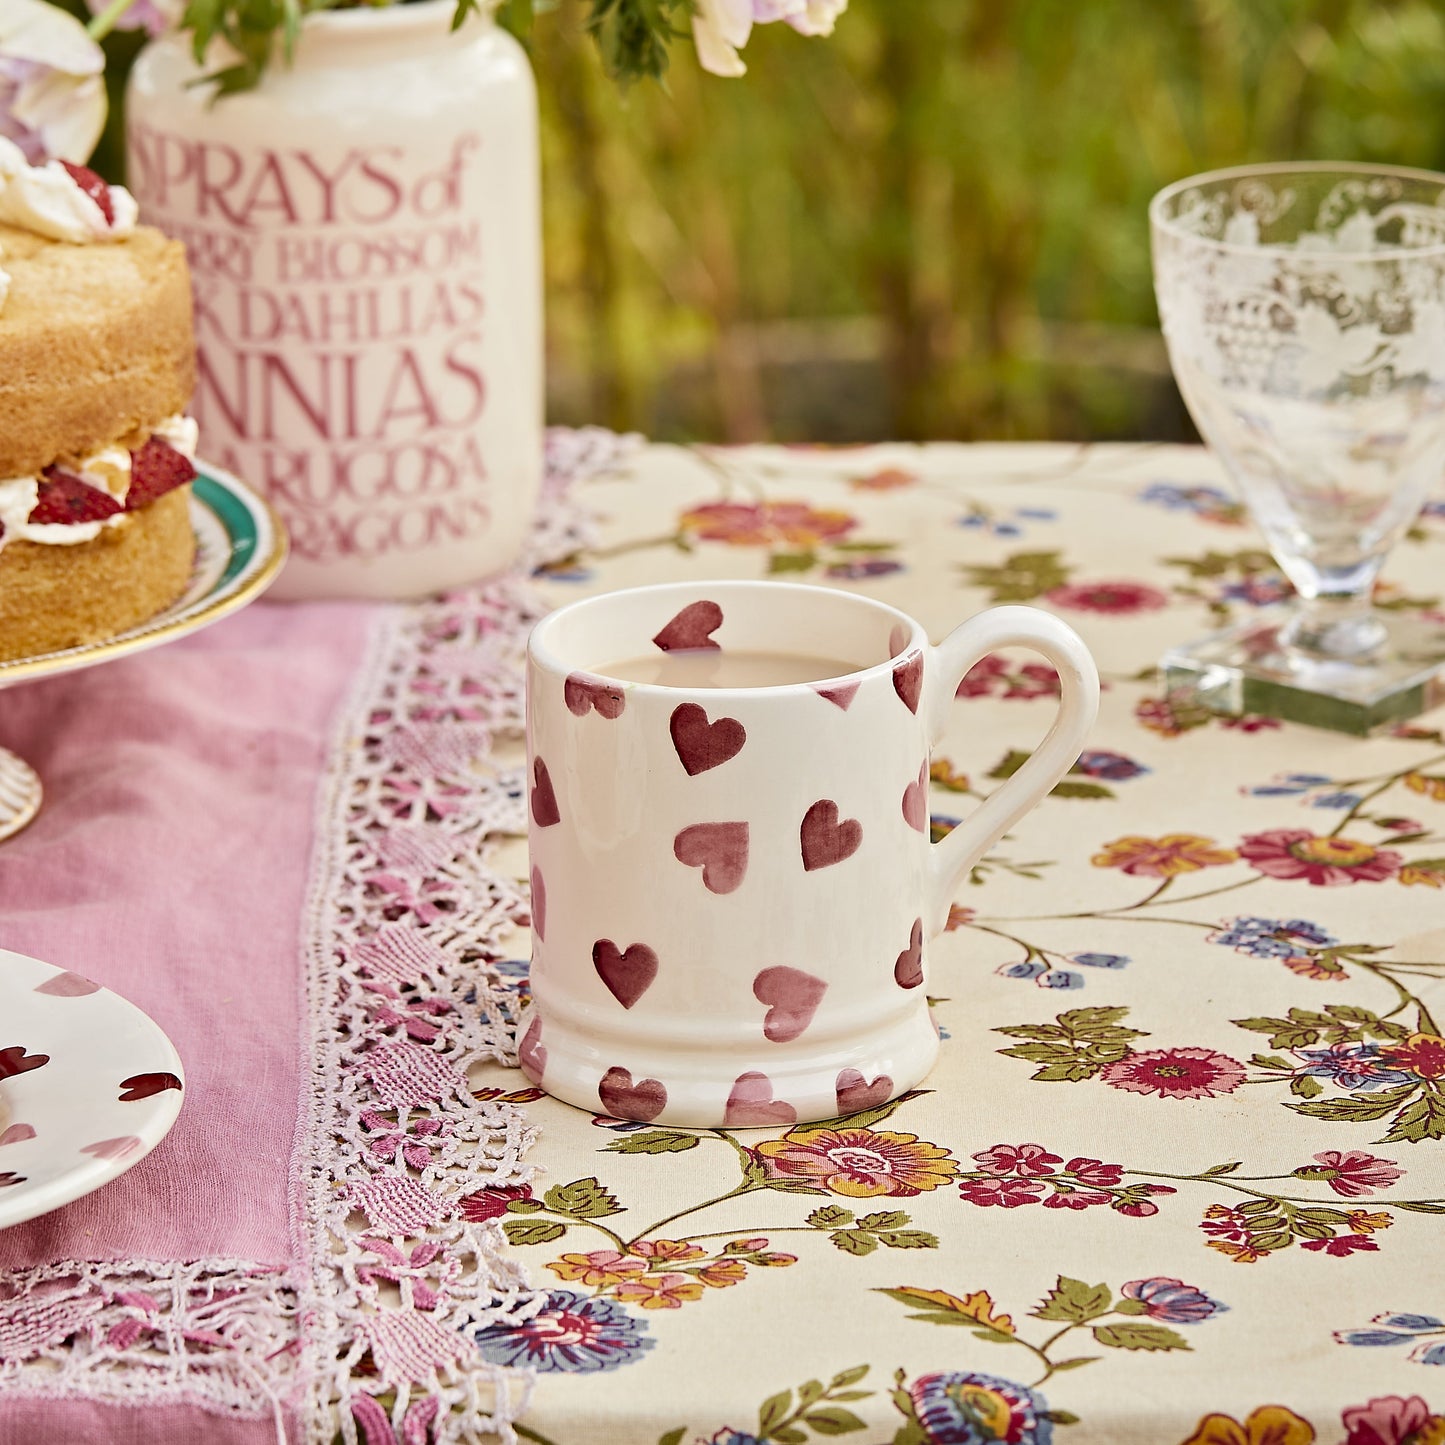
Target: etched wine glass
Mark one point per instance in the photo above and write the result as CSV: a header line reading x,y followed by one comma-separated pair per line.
x,y
1303,307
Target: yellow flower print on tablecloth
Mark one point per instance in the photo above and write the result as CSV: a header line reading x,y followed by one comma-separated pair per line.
x,y
1268,1425
1164,857
765,524
859,1163
601,1268
659,1291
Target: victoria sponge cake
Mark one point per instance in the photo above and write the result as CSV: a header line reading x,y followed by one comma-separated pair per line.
x,y
97,364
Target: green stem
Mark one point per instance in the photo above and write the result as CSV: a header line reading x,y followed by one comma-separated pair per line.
x,y
1388,783
1211,893
748,1230
694,1209
1227,1183
106,21
586,1224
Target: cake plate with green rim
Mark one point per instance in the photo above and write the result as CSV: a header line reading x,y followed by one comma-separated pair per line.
x,y
240,546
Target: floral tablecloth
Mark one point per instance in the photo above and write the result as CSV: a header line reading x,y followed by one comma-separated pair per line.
x,y
1176,1180
1178,1175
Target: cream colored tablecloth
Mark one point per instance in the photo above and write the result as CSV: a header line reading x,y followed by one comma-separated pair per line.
x,y
1178,1174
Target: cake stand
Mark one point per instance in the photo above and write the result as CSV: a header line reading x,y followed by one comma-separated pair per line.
x,y
240,546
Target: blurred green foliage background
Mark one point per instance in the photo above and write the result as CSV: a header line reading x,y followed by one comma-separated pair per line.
x,y
933,223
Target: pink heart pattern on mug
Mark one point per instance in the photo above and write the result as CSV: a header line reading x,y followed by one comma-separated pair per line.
x,y
792,997
628,973
539,903
702,745
908,680
908,971
17,1133
751,1104
824,839
582,693
531,1053
840,696
854,1092
692,628
544,800
915,801
719,849
642,1101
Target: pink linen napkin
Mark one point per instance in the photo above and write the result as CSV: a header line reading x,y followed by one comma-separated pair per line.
x,y
170,863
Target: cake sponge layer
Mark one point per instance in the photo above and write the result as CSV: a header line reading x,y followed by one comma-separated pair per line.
x,y
95,344
52,597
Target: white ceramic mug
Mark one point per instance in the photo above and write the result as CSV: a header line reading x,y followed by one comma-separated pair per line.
x,y
733,888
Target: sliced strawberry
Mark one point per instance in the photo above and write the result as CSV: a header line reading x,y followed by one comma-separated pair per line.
x,y
93,187
65,499
157,468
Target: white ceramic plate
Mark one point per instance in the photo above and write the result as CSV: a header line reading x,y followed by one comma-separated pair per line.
x,y
89,1084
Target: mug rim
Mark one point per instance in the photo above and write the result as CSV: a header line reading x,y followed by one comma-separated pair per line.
x,y
1167,226
540,652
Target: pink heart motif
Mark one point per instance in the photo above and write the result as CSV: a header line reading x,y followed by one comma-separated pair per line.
x,y
691,629
719,849
642,1101
627,973
854,1092
915,801
15,1061
17,1134
908,971
840,696
582,693
700,744
145,1086
908,680
67,985
544,800
531,1054
824,839
112,1148
792,997
751,1104
539,904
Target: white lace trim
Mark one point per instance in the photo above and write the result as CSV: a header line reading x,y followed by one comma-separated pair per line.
x,y
137,1332
404,920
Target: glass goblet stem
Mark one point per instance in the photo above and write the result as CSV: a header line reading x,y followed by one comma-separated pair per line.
x,y
1339,625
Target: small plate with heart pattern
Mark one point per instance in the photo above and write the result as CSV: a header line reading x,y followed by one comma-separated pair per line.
x,y
89,1085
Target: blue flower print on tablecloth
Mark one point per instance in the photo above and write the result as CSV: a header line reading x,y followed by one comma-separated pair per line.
x,y
1271,937
1426,1333
960,1408
1099,763
1211,504
1172,1301
570,1333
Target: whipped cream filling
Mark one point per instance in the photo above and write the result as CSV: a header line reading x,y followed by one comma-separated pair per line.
x,y
107,470
49,201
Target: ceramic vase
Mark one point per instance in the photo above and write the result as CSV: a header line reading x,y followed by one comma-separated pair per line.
x,y
364,235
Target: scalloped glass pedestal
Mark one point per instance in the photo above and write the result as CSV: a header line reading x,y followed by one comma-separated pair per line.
x,y
1245,670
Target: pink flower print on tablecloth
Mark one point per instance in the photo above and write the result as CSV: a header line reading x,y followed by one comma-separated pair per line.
x,y
1324,862
1352,1173
1175,1073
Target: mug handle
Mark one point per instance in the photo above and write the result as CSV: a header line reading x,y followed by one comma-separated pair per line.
x,y
952,858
